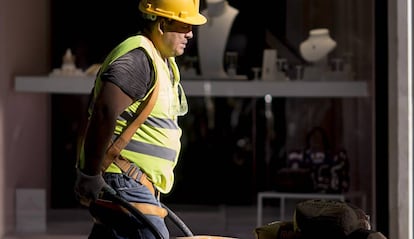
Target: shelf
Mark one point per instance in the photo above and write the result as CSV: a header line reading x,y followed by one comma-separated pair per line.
x,y
54,85
214,87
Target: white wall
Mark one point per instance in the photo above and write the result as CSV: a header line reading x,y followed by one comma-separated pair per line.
x,y
24,121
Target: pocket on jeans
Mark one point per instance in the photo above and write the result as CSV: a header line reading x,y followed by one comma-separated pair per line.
x,y
135,192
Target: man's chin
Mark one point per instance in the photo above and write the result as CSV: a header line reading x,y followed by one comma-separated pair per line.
x,y
179,53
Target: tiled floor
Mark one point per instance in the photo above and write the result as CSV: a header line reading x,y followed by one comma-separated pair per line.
x,y
222,220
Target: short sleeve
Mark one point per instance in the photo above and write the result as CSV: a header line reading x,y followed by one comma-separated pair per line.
x,y
131,72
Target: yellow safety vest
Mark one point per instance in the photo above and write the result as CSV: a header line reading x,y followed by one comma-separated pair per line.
x,y
156,144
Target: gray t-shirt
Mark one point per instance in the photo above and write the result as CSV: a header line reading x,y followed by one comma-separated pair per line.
x,y
132,72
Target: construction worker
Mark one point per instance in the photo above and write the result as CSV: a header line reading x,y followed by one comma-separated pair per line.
x,y
126,78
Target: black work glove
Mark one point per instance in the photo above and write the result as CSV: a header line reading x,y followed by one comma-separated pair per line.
x,y
88,188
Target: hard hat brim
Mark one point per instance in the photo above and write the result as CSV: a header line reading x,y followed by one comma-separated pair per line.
x,y
196,20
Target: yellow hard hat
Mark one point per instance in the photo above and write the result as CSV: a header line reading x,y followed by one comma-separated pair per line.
x,y
186,11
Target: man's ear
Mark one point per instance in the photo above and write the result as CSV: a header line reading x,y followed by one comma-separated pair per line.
x,y
161,26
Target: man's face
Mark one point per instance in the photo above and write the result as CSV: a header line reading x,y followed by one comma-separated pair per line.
x,y
175,37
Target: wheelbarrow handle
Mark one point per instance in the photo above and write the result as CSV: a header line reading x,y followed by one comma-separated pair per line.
x,y
178,222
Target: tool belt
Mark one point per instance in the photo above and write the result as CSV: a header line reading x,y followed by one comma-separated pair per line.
x,y
131,170
113,156
135,172
144,208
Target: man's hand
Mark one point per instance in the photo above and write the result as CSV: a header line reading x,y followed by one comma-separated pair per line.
x,y
88,188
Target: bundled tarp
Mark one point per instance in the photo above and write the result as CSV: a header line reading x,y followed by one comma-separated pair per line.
x,y
322,219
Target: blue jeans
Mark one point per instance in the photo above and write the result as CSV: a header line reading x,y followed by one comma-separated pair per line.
x,y
120,225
